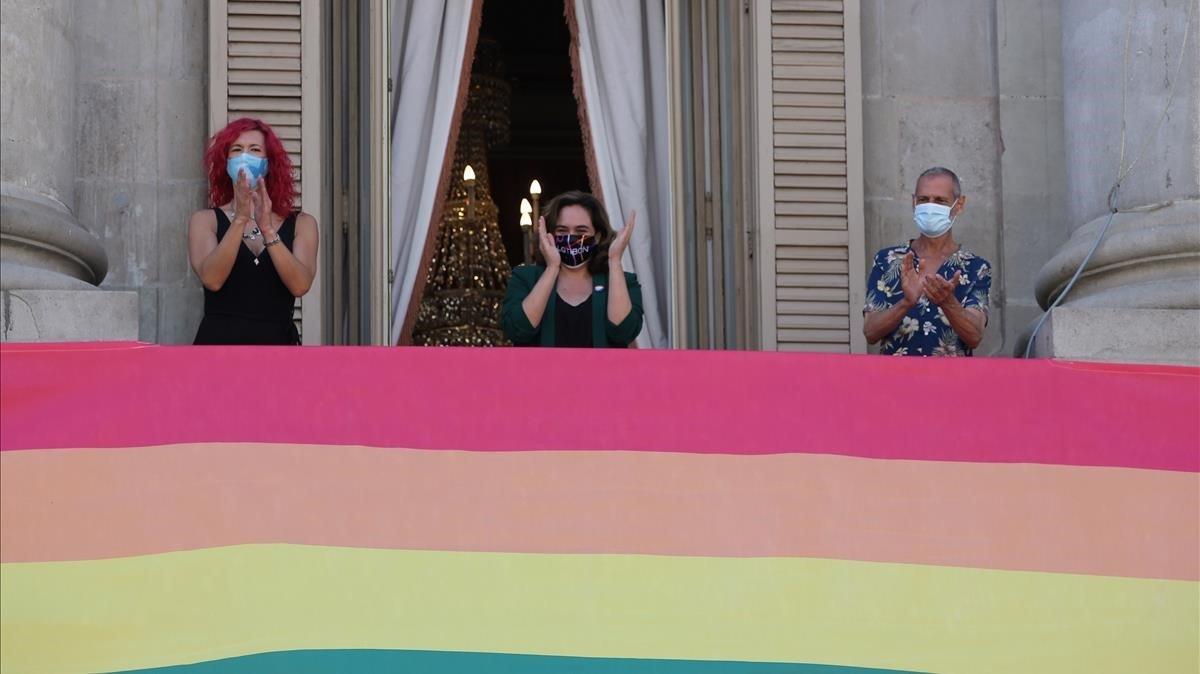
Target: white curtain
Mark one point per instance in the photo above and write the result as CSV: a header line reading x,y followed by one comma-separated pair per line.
x,y
623,64
429,41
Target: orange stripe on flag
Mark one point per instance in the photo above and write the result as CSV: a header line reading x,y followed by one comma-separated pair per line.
x,y
83,504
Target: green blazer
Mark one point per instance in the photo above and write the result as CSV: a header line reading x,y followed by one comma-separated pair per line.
x,y
605,334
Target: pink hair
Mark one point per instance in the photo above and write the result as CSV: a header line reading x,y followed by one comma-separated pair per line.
x,y
279,166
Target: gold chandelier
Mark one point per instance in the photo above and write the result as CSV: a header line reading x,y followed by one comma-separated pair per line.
x,y
469,271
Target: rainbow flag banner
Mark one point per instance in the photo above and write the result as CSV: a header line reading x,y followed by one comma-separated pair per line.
x,y
198,509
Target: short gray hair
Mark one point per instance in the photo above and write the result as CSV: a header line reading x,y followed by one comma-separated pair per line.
x,y
941,171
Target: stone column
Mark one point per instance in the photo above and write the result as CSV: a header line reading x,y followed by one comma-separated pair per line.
x,y
50,266
1139,299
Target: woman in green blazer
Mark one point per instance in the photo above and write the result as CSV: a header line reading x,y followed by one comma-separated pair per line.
x,y
568,298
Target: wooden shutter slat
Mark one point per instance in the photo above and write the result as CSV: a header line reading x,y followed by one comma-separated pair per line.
x,y
261,22
807,43
812,154
793,208
836,100
830,222
265,8
811,253
828,336
812,280
780,6
811,195
813,308
810,181
281,90
264,77
785,31
805,168
810,140
785,113
784,266
283,104
807,18
813,294
810,72
819,238
815,321
243,35
811,126
257,63
808,58
835,347
785,86
265,49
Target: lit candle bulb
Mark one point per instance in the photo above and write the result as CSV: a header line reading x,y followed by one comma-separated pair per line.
x,y
535,190
526,232
469,180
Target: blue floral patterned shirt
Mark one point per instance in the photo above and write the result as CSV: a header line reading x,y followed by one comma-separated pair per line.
x,y
925,330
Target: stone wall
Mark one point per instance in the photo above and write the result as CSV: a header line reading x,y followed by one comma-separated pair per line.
x,y
141,126
1033,163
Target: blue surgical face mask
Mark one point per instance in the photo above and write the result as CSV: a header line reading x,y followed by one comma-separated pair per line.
x,y
255,168
933,219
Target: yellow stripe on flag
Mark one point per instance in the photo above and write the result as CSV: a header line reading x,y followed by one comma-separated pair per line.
x,y
207,604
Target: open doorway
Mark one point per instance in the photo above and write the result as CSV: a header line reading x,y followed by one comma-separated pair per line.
x,y
546,142
518,123
585,106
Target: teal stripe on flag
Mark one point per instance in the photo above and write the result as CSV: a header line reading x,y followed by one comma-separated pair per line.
x,y
451,662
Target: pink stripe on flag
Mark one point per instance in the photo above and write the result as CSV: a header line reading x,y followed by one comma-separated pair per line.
x,y
981,409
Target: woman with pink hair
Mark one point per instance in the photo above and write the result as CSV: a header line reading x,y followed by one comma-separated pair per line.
x,y
252,251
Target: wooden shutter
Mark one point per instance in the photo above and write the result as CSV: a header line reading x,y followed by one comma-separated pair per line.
x,y
816,183
265,62
264,69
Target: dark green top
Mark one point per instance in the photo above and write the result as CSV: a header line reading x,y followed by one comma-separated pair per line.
x,y
605,334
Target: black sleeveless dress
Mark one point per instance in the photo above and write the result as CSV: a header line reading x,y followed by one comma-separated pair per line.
x,y
253,306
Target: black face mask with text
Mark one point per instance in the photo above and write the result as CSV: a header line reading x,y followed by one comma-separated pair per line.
x,y
574,249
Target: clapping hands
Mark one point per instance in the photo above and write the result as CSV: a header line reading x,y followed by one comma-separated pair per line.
x,y
937,289
546,246
617,248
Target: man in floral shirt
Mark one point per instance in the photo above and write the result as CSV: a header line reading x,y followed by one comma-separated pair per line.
x,y
930,296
